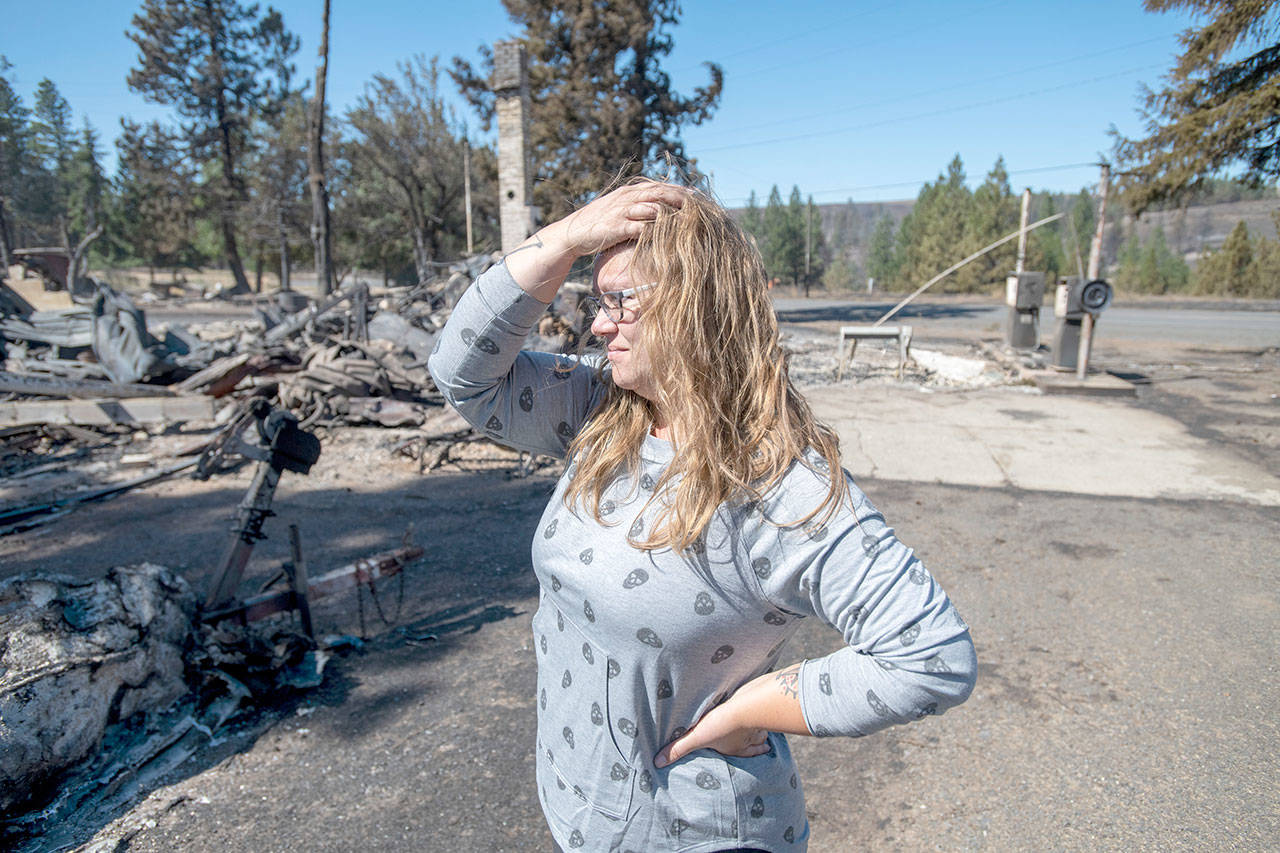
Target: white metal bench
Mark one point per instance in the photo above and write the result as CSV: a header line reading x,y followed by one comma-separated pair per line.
x,y
850,335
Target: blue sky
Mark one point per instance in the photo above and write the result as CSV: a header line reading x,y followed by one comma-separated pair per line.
x,y
859,100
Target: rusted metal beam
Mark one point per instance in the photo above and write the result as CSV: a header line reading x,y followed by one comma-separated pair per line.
x,y
383,565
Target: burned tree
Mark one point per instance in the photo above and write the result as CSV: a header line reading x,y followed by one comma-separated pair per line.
x,y
315,167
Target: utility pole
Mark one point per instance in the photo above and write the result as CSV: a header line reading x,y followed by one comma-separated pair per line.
x,y
466,187
1022,230
1095,269
808,241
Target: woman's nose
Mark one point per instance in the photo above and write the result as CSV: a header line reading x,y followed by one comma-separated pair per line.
x,y
602,325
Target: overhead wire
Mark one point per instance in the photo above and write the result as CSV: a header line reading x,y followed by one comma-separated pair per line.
x,y
930,114
826,27
826,113
845,48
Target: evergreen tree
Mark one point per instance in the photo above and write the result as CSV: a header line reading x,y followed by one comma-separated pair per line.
x,y
1266,260
52,135
752,217
936,232
277,167
277,170
1082,220
15,153
368,231
995,213
840,274
792,244
601,101
52,141
882,257
1230,271
403,132
815,245
773,228
86,188
1045,252
1218,108
154,213
205,58
1150,266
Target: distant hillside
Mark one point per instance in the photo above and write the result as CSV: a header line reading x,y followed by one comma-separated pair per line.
x,y
847,226
1201,227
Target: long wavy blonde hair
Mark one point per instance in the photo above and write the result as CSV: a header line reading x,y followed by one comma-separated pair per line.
x,y
712,340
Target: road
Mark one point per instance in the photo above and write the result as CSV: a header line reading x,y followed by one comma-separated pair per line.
x,y
951,316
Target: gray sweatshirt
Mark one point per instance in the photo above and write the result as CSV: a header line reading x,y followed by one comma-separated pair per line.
x,y
634,646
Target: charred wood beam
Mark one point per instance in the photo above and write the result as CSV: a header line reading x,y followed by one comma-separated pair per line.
x,y
125,410
54,386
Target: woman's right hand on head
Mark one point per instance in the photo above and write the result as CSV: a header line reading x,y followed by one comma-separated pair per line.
x,y
616,216
539,264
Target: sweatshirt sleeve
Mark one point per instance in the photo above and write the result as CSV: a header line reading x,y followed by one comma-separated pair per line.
x,y
528,400
907,652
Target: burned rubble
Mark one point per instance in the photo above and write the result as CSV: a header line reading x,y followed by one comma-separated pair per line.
x,y
95,369
105,681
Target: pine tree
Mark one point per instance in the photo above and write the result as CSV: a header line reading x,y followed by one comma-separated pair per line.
x,y
773,228
752,216
815,245
1266,260
1150,266
601,102
205,58
882,258
1082,220
792,241
1230,270
405,133
86,187
1045,244
154,214
936,232
277,170
1219,109
15,153
995,213
52,141
276,166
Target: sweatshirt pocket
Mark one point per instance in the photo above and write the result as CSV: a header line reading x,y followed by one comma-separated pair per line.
x,y
575,730
770,798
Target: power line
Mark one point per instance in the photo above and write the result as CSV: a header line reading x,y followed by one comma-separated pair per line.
x,y
826,27
930,114
925,92
845,48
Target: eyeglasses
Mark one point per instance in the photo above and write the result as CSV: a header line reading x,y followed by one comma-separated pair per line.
x,y
612,303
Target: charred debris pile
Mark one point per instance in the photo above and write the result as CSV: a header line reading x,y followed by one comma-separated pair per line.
x,y
108,684
99,374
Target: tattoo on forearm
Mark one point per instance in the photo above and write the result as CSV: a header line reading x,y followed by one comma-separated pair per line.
x,y
536,244
788,680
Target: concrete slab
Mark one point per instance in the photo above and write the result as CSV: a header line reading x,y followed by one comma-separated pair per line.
x,y
1093,385
1018,437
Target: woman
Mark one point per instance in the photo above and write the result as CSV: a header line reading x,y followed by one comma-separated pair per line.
x,y
702,516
